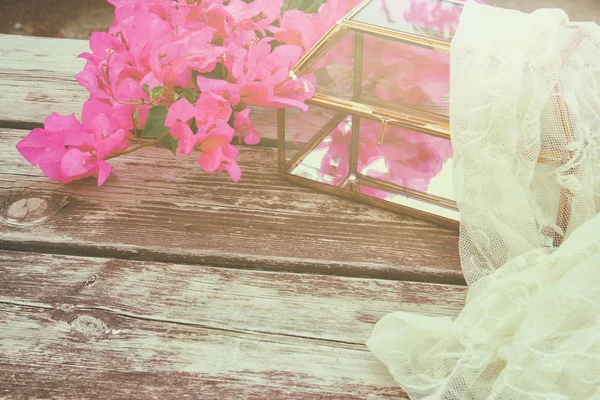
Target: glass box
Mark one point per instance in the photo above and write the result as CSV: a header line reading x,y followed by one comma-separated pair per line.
x,y
377,129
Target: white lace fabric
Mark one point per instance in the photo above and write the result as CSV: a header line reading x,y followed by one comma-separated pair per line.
x,y
525,123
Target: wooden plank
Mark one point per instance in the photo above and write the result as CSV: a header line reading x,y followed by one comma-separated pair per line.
x,y
46,354
312,306
158,207
82,325
37,78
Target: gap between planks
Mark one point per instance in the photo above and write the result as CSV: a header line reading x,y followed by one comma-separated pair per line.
x,y
243,262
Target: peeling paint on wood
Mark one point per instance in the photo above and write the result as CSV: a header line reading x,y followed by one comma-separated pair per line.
x,y
41,357
146,327
312,306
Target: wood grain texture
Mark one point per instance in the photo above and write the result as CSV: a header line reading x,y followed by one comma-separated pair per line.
x,y
37,77
153,329
158,207
97,355
312,306
31,91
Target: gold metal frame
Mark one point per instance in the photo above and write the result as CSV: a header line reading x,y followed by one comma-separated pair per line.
x,y
419,121
430,43
416,121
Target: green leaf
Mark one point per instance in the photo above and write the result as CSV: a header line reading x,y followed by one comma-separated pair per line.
x,y
307,6
155,124
146,89
136,117
170,143
157,92
190,94
217,72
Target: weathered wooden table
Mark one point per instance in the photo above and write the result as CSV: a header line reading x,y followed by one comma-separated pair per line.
x,y
170,283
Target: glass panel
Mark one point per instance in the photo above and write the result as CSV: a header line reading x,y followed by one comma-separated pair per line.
x,y
408,168
334,69
406,158
410,202
407,75
311,139
437,19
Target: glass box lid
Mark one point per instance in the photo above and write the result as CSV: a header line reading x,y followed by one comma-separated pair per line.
x,y
388,53
433,19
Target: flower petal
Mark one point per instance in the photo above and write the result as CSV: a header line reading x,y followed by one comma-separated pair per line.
x,y
104,170
182,110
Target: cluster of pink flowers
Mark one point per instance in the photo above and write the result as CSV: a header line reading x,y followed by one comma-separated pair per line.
x,y
177,72
182,73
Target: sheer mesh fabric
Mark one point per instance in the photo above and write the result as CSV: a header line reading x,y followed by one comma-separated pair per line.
x,y
525,123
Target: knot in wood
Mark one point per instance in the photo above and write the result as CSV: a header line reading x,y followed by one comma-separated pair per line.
x,y
90,281
67,308
30,209
90,326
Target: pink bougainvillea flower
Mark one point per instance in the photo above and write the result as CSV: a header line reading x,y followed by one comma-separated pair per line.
x,y
182,110
89,159
222,88
173,62
120,116
88,78
211,108
255,15
217,152
177,119
264,77
202,60
129,90
243,127
281,58
297,28
186,139
86,162
217,17
197,51
246,65
78,164
293,93
65,150
140,42
45,147
257,93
